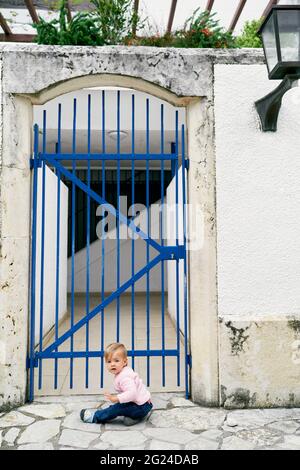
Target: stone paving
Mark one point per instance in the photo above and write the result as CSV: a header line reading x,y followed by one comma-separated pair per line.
x,y
175,424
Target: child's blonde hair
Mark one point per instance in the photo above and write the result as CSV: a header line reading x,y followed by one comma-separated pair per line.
x,y
113,347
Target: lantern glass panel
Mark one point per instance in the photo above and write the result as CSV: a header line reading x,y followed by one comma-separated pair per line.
x,y
289,32
269,39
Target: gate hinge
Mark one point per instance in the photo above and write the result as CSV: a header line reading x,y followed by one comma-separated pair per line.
x,y
33,360
173,252
189,360
37,161
187,163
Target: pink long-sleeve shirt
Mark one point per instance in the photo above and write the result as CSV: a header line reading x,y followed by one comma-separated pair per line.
x,y
130,387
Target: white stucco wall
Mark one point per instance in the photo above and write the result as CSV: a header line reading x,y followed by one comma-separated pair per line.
x,y
258,197
171,241
49,304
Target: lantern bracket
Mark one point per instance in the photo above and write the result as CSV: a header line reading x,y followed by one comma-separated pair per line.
x,y
269,106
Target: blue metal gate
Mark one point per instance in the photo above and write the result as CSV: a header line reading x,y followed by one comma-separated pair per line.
x,y
64,165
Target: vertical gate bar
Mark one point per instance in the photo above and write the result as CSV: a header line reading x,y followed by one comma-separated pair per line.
x,y
73,241
148,233
103,240
33,263
57,246
42,251
177,244
173,163
162,229
88,223
133,235
185,264
118,218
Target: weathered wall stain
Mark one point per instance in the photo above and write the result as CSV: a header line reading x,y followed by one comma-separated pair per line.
x,y
237,399
237,338
294,325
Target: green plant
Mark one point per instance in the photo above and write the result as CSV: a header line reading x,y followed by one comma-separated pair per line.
x,y
203,30
249,36
117,20
82,30
151,41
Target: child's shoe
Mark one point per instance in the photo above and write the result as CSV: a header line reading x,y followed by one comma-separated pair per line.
x,y
87,415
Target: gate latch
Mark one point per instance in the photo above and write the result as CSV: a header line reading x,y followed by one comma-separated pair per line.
x,y
173,252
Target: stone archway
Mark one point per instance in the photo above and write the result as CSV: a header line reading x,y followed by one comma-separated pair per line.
x,y
35,74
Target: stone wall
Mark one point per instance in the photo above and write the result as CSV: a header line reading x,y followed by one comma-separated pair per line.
x,y
258,250
259,361
14,245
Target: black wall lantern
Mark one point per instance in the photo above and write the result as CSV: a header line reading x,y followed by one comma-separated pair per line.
x,y
280,33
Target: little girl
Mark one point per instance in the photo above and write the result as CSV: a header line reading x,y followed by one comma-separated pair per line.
x,y
133,399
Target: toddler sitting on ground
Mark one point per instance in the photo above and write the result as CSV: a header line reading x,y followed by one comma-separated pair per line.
x,y
133,400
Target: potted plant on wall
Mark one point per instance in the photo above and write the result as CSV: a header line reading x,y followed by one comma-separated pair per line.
x,y
115,22
110,22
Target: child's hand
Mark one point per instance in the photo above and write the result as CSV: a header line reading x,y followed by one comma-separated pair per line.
x,y
112,398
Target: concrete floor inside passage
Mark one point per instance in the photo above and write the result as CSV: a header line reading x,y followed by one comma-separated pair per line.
x,y
94,335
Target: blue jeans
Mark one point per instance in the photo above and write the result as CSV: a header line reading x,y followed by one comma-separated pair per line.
x,y
131,410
